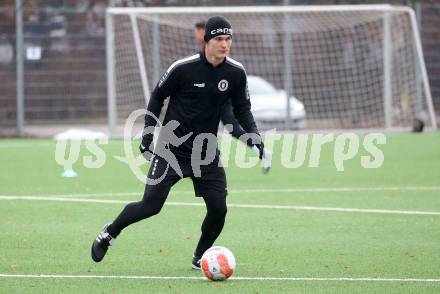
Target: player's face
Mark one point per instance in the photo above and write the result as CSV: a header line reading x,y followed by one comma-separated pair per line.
x,y
219,46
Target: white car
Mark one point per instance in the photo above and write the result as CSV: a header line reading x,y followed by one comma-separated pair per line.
x,y
269,105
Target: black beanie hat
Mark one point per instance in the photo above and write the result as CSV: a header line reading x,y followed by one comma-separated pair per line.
x,y
216,26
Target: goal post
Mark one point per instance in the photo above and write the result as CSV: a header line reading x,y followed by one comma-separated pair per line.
x,y
352,66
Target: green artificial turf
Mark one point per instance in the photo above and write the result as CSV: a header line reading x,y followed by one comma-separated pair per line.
x,y
286,234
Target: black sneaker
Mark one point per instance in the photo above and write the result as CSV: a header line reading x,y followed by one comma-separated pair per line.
x,y
195,263
101,244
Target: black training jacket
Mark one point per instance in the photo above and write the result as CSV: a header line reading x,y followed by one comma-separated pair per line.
x,y
198,95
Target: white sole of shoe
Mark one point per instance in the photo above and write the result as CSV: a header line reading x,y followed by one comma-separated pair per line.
x,y
195,267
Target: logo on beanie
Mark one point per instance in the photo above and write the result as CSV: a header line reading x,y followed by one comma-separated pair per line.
x,y
216,26
223,85
222,31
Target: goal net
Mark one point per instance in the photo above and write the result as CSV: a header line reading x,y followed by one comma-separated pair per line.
x,y
357,66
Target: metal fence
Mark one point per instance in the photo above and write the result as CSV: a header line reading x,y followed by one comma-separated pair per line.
x,y
428,15
65,64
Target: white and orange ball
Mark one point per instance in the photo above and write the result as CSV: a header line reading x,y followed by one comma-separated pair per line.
x,y
218,263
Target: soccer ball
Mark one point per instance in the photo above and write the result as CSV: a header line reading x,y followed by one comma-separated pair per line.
x,y
218,263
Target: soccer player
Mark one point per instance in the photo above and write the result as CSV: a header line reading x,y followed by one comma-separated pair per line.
x,y
199,33
198,87
227,116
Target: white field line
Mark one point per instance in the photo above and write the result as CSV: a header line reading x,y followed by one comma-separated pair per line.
x,y
52,143
340,189
255,191
292,207
25,145
342,279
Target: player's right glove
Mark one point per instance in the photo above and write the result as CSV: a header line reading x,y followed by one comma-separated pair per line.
x,y
146,147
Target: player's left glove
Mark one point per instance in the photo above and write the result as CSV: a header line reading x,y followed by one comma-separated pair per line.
x,y
265,155
267,160
259,149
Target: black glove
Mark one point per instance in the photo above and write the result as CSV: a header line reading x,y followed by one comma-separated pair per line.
x,y
146,147
260,148
265,156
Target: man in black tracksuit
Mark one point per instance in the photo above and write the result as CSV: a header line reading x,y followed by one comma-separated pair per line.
x,y
199,87
227,117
